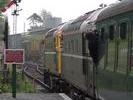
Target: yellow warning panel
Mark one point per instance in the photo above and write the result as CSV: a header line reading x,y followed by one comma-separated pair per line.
x,y
59,44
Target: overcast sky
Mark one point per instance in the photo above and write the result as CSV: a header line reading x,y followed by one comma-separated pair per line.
x,y
66,9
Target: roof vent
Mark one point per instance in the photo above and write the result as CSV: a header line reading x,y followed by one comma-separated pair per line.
x,y
103,5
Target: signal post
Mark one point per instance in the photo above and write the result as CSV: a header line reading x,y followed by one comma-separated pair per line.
x,y
13,56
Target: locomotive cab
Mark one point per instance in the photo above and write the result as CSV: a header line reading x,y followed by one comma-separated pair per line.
x,y
94,45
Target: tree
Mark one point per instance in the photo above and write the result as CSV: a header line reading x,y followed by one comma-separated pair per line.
x,y
45,15
44,20
35,21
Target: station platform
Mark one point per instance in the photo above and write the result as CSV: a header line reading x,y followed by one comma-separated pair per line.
x,y
35,96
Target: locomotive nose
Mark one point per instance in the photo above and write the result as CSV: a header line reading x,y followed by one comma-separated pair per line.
x,y
96,46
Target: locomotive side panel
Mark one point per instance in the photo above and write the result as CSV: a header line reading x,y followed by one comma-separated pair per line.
x,y
115,72
73,63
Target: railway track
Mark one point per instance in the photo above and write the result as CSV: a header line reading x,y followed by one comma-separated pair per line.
x,y
33,72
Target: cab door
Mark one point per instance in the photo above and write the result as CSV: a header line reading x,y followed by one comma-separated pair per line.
x,y
88,70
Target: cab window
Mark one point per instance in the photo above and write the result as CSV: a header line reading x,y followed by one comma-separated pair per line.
x,y
111,32
123,30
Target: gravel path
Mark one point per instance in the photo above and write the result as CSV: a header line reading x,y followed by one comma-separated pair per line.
x,y
115,95
31,96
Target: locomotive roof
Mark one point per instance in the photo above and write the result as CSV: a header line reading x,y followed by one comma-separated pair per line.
x,y
115,9
82,17
89,24
66,26
82,23
74,25
50,32
86,22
